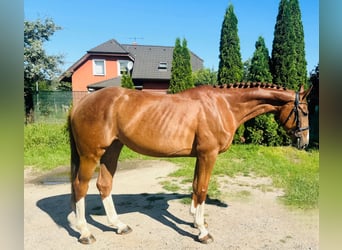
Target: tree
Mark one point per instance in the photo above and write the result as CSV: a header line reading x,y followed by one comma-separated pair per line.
x,y
230,65
126,81
181,72
288,52
288,65
188,80
246,67
64,86
38,66
205,76
262,129
259,70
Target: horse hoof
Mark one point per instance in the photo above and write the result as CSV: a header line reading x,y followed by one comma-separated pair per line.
x,y
126,230
87,240
206,239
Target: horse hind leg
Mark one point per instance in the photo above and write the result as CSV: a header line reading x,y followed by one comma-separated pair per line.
x,y
104,184
80,188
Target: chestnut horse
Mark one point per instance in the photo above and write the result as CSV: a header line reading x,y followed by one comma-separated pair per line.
x,y
199,122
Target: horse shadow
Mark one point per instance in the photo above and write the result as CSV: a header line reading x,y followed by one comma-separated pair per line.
x,y
154,205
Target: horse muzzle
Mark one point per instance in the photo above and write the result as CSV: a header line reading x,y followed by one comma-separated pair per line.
x,y
302,140
301,145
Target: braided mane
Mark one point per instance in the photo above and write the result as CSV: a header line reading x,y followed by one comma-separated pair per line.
x,y
244,85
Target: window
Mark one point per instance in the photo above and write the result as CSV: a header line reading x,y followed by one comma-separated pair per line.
x,y
99,67
125,67
162,66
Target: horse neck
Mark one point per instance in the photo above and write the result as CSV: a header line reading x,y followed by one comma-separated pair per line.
x,y
251,102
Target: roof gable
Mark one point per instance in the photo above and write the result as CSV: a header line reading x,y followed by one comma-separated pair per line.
x,y
111,46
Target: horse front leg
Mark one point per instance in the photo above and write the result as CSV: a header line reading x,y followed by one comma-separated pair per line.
x,y
104,185
194,196
204,166
105,182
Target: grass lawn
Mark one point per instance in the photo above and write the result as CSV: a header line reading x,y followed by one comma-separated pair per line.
x,y
46,146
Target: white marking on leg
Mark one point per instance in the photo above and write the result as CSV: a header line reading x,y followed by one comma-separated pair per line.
x,y
112,216
199,221
193,212
81,223
192,208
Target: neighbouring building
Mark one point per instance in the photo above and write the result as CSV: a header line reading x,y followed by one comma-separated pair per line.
x,y
103,66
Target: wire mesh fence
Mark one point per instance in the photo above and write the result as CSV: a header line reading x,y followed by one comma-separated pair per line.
x,y
54,106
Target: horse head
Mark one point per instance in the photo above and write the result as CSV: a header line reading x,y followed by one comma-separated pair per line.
x,y
295,118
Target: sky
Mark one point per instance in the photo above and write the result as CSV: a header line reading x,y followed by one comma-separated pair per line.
x,y
86,24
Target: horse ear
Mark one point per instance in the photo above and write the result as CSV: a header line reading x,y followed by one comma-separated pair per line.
x,y
307,92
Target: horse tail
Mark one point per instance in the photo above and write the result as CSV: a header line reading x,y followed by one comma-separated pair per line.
x,y
74,162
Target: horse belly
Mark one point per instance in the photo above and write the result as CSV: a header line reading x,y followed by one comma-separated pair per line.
x,y
159,127
156,143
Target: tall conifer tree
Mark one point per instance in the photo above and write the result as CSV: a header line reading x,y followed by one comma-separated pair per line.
x,y
176,68
181,72
288,52
230,65
188,79
259,70
262,129
299,43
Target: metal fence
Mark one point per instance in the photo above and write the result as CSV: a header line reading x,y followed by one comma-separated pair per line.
x,y
53,106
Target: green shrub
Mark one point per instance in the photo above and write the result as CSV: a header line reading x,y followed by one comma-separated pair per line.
x,y
126,81
265,130
239,135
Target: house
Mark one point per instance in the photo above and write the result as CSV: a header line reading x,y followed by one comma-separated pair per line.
x,y
103,66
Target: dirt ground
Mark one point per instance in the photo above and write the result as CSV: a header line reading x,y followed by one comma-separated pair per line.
x,y
249,216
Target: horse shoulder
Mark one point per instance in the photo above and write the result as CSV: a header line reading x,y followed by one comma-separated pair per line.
x,y
215,126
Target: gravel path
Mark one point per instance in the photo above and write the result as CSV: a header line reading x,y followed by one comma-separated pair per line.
x,y
249,215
